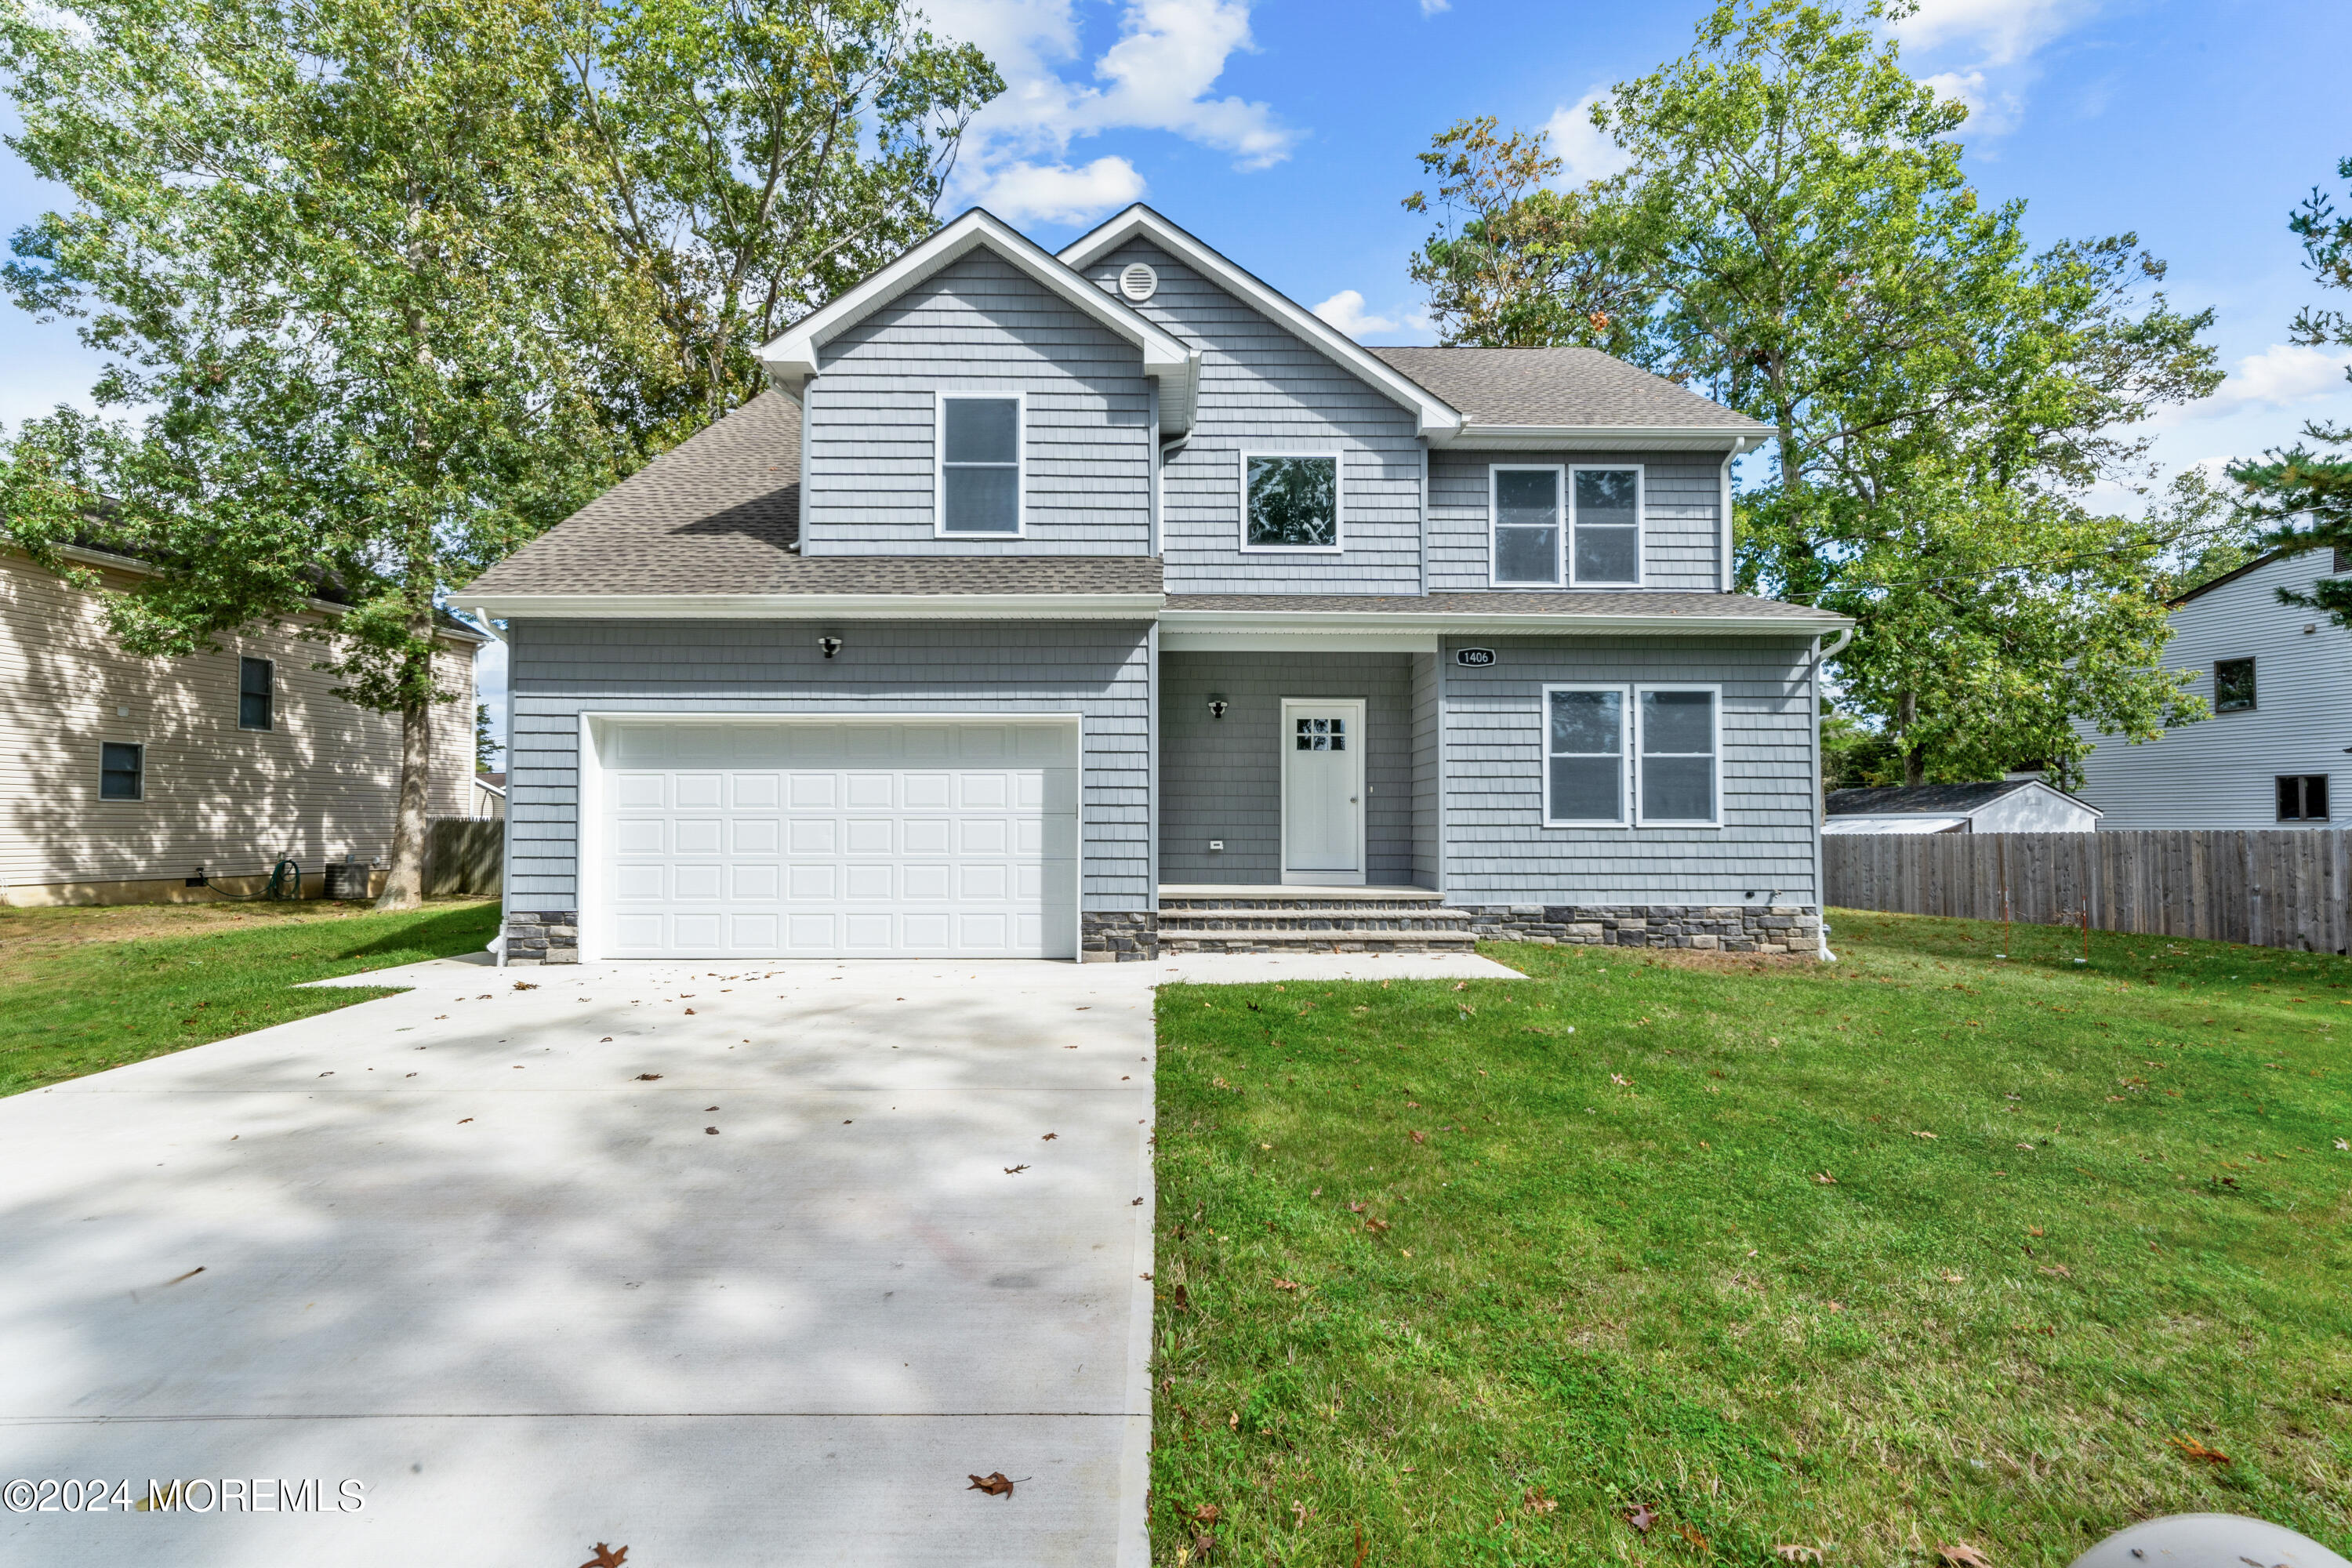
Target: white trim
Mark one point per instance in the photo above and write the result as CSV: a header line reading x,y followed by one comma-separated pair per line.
x,y
1625,779
1339,545
1357,878
1641,524
1558,577
1722,521
1432,416
1641,688
591,796
1274,639
940,401
1607,438
829,606
1483,623
792,359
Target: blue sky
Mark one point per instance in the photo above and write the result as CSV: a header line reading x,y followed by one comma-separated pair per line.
x,y
1284,133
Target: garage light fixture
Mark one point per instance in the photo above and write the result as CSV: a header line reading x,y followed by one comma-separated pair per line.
x,y
1217,706
830,645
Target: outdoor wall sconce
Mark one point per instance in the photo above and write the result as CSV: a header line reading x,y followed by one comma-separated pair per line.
x,y
1217,706
830,645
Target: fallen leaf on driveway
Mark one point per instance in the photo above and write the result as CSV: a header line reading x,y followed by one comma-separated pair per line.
x,y
647,1077
608,1557
526,985
1960,1554
463,1120
1014,1170
993,1484
1049,1137
710,1130
689,1012
1136,1204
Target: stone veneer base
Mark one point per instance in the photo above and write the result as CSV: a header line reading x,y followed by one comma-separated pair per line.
x,y
550,936
1711,928
1118,936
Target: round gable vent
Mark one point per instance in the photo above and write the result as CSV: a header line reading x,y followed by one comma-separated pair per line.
x,y
1138,281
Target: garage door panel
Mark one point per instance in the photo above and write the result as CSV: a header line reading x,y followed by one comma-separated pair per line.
x,y
762,839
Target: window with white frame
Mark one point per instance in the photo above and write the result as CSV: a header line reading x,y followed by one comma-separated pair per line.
x,y
1677,760
1584,756
1606,516
980,464
1526,504
1290,501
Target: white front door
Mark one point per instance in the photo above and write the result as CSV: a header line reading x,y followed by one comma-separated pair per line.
x,y
803,838
1323,792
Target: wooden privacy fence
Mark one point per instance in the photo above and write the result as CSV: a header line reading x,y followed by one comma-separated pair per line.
x,y
2269,889
463,857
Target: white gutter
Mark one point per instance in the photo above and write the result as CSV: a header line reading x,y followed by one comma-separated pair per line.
x,y
1300,622
827,606
1820,800
1603,437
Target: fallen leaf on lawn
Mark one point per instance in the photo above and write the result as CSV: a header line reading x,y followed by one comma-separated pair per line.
x,y
1267,1148
1534,1501
526,985
1619,1079
1705,1144
1286,1284
1208,1513
1922,1135
1014,1170
1793,1553
1358,1208
1837,1306
608,1557
1202,1546
1181,1300
1692,1536
1462,985
2027,1147
1640,1518
1953,1279
1960,1554
1233,1421
2190,1449
2341,1143
1419,1137
2059,1270
2034,1230
1825,1179
993,1483
1376,1225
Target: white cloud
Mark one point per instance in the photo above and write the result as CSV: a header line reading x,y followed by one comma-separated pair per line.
x,y
1585,152
1158,76
2280,376
1990,113
2001,32
1056,192
1431,7
1346,312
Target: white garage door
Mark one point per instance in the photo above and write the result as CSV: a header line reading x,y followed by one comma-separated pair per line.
x,y
952,838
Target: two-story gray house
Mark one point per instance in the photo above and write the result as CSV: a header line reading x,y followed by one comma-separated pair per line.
x,y
1093,603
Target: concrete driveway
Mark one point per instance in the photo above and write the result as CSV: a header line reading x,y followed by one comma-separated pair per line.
x,y
474,1261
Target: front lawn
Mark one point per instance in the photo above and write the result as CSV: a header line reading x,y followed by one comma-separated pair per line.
x,y
1927,1248
84,989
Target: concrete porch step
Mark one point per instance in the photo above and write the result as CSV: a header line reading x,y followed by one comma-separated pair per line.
x,y
1255,940
1260,917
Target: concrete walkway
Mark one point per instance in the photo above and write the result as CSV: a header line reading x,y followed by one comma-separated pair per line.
x,y
476,1250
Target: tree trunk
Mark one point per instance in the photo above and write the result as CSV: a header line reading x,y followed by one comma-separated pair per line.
x,y
1915,755
403,887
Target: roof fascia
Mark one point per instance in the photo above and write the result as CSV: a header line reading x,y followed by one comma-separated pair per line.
x,y
1301,622
822,606
1607,438
328,607
790,360
1432,416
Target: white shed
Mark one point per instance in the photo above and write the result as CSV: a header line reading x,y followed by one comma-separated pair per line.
x,y
2003,805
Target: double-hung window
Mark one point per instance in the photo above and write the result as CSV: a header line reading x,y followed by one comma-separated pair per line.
x,y
1290,501
1606,518
1530,506
2233,686
1644,755
256,697
122,770
980,467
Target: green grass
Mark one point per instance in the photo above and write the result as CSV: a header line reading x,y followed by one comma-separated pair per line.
x,y
1613,1276
83,990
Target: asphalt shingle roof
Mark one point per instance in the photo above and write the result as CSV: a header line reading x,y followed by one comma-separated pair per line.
x,y
1938,800
1560,386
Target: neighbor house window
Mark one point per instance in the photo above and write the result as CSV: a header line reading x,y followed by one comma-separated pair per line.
x,y
980,464
1678,745
121,771
1584,756
256,693
1526,506
1606,551
2233,686
2303,797
1290,502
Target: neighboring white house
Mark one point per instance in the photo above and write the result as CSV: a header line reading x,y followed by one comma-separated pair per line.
x,y
488,800
2019,805
2279,681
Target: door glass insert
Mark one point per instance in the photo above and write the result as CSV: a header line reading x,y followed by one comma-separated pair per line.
x,y
1321,735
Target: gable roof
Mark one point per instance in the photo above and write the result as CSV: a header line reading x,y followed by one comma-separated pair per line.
x,y
792,359
1938,800
2336,567
1434,417
1555,391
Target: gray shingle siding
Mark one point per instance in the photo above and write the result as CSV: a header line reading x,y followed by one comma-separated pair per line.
x,y
1681,525
562,668
1428,819
1222,778
978,325
1264,390
1497,849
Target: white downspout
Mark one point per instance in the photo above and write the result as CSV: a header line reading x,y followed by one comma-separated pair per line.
x,y
1723,511
1821,805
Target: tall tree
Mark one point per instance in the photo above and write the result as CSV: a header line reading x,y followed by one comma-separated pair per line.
x,y
1942,398
2305,497
396,284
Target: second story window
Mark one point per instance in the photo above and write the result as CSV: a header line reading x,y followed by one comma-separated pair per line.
x,y
1290,502
980,464
2233,686
1527,505
1607,552
256,697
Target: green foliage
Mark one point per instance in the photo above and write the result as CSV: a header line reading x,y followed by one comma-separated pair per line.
x,y
1796,220
2305,497
1611,1277
77,1001
486,750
